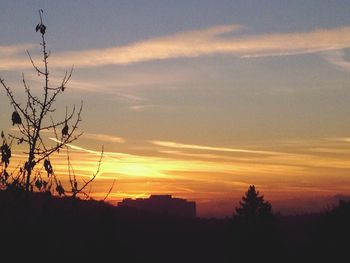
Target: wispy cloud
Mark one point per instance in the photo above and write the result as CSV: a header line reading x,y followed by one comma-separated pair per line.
x,y
10,50
273,161
296,43
13,63
103,137
142,107
123,164
337,58
339,139
213,40
209,148
184,44
12,56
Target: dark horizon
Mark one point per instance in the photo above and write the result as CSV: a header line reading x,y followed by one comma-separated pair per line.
x,y
89,229
287,207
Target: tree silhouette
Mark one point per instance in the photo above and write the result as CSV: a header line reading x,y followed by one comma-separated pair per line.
x,y
33,119
253,208
254,228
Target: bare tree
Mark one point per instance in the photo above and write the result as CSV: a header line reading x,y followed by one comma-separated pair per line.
x,y
76,189
32,119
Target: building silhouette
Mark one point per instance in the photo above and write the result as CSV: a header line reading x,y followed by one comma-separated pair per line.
x,y
162,204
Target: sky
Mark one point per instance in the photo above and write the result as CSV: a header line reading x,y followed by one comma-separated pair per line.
x,y
198,99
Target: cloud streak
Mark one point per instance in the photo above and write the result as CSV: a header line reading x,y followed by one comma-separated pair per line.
x,y
210,41
10,50
103,137
209,148
337,58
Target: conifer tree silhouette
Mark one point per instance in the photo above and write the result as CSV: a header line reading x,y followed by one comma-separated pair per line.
x,y
253,207
254,228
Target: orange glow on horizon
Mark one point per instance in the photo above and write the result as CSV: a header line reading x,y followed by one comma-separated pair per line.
x,y
207,174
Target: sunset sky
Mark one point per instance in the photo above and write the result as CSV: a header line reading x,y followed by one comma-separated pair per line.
x,y
198,99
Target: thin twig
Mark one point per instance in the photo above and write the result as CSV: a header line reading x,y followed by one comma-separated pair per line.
x,y
110,190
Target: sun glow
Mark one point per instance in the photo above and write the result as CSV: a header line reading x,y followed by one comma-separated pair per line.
x,y
205,173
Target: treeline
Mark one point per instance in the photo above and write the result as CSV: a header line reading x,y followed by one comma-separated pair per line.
x,y
40,226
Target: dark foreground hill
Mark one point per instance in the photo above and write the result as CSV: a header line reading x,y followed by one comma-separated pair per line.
x,y
41,227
